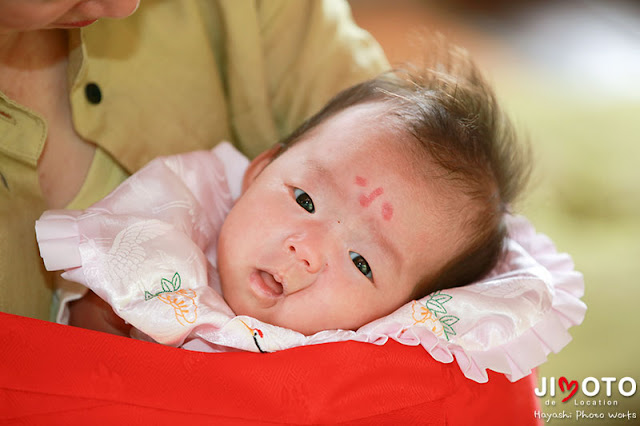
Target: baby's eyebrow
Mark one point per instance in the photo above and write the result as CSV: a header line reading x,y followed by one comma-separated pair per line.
x,y
321,171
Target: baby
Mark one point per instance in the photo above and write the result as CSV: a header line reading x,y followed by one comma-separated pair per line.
x,y
397,188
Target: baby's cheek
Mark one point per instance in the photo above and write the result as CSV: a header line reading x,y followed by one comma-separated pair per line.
x,y
235,301
352,306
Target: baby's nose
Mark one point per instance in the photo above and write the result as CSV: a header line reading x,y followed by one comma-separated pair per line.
x,y
308,253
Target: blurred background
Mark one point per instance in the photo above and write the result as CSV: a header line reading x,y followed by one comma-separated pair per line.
x,y
568,73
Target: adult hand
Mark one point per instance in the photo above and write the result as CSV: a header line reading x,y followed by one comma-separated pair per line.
x,y
93,313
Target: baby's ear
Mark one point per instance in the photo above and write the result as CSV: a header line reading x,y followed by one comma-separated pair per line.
x,y
258,164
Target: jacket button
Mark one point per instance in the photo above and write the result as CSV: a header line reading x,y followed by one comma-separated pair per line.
x,y
93,93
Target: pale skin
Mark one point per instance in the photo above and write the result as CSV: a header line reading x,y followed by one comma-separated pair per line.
x,y
347,228
337,243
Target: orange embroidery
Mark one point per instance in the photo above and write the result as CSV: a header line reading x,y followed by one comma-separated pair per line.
x,y
422,314
184,305
183,301
434,315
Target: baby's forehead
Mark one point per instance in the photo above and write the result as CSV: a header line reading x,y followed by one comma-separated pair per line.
x,y
370,142
364,134
386,178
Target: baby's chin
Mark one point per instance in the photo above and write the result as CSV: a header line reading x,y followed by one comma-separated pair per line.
x,y
267,312
308,329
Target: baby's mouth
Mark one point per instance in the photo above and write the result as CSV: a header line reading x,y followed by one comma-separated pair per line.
x,y
268,284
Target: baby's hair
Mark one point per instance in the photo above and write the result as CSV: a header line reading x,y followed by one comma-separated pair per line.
x,y
452,114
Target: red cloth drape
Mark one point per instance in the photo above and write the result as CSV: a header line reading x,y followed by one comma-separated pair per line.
x,y
55,374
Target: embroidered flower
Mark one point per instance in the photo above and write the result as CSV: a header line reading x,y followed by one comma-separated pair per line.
x,y
183,301
434,315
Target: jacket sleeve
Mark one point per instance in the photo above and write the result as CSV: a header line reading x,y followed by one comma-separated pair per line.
x,y
152,239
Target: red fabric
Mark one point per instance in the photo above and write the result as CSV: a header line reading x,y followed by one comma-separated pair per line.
x,y
54,374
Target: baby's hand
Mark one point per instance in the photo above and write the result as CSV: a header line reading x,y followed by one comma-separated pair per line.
x,y
93,313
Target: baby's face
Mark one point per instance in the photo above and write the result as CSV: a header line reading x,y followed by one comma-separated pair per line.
x,y
336,231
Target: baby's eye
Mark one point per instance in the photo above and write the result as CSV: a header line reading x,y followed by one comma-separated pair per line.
x,y
304,200
361,264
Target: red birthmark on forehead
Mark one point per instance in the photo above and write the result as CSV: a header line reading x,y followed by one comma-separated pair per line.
x,y
366,200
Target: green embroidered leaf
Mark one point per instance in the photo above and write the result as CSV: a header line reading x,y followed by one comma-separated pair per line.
x,y
449,319
448,331
435,306
176,281
148,296
165,283
436,303
441,298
